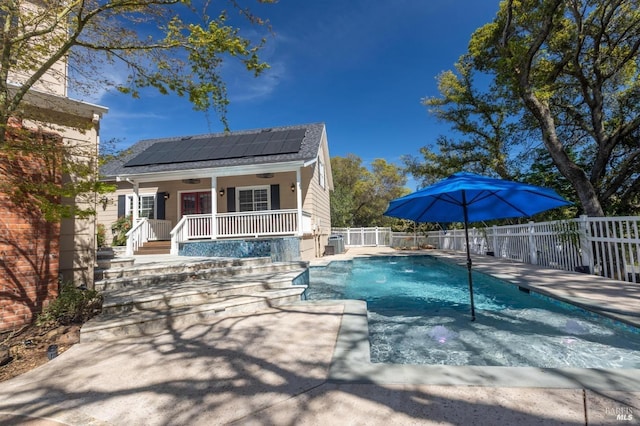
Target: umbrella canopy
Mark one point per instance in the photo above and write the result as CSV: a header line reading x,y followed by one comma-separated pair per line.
x,y
467,197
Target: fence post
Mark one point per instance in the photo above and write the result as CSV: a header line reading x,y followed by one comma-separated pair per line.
x,y
585,243
533,250
348,236
494,232
376,236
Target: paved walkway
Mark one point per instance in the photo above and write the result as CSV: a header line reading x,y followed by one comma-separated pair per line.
x,y
278,367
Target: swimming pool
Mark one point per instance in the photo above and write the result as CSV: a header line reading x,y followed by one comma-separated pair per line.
x,y
418,312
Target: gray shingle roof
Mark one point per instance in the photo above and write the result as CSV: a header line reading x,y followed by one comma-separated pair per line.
x,y
252,155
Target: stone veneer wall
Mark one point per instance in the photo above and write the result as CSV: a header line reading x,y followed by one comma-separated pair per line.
x,y
279,249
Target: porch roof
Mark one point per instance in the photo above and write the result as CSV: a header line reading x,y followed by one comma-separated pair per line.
x,y
252,159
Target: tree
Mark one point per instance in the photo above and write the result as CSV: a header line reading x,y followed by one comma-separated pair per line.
x,y
360,195
480,117
491,134
573,65
167,45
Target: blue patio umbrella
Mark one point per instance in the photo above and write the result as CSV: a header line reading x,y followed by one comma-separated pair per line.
x,y
467,197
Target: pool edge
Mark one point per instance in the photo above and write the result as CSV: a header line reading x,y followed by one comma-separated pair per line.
x,y
351,363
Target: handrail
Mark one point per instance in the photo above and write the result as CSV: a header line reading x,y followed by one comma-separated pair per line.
x,y
134,237
176,234
253,213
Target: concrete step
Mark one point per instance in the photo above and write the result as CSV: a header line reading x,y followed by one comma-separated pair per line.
x,y
184,264
173,274
106,258
178,294
151,297
116,262
153,321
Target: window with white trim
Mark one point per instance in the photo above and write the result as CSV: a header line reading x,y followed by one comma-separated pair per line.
x,y
321,175
146,206
253,199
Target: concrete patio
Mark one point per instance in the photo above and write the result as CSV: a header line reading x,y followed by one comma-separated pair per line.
x,y
307,364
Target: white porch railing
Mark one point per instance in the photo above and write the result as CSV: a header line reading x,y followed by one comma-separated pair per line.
x,y
256,224
237,225
147,230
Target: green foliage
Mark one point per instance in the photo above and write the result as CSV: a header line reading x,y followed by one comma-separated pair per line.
x,y
119,228
170,46
101,235
361,195
73,305
487,125
554,74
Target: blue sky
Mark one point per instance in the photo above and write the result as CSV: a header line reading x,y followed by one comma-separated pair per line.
x,y
360,66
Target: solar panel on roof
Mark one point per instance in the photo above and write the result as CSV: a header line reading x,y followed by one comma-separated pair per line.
x,y
221,147
273,148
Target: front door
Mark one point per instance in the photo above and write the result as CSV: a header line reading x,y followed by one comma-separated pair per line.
x,y
195,203
192,203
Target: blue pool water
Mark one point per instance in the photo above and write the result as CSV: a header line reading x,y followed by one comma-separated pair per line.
x,y
418,309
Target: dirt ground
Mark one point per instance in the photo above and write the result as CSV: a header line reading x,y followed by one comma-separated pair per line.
x,y
27,347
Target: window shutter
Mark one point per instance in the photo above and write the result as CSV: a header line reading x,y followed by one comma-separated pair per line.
x,y
160,202
275,197
231,200
121,205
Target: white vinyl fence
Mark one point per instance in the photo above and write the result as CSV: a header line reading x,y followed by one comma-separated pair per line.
x,y
360,237
606,246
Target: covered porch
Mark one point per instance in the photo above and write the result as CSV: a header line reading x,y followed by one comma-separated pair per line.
x,y
230,204
218,226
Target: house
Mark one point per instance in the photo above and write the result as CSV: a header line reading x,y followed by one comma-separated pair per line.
x,y
36,254
245,193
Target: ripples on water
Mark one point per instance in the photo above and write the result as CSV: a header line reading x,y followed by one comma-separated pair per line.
x,y
419,314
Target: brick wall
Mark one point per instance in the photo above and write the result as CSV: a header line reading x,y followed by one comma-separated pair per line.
x,y
29,245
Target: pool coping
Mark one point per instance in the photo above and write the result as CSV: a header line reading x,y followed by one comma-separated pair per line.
x,y
351,362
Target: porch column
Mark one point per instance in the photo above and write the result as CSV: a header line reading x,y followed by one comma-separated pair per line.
x,y
214,207
299,200
134,216
136,203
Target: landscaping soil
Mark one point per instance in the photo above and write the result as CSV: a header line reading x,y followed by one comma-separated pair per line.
x,y
26,348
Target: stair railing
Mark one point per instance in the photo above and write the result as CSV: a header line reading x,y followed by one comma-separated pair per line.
x,y
137,235
178,233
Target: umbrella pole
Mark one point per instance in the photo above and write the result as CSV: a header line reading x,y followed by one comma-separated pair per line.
x,y
466,238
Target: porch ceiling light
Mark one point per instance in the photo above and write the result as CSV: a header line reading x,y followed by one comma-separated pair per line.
x,y
293,187
221,192
191,181
264,175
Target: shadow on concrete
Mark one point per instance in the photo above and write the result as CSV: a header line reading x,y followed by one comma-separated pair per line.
x,y
269,367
